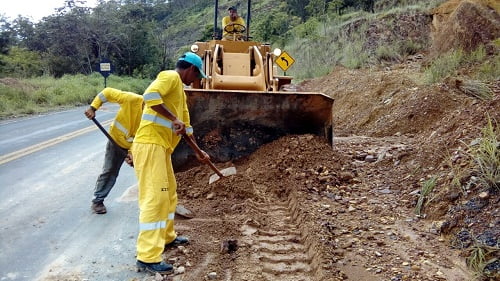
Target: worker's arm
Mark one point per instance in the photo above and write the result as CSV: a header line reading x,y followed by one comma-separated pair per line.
x,y
179,126
106,95
202,156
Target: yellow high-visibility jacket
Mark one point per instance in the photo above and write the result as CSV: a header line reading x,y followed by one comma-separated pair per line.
x,y
128,117
155,128
227,20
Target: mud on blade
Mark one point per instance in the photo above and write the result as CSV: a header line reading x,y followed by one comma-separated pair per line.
x,y
231,124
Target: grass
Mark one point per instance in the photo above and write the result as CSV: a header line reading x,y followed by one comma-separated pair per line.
x,y
475,88
353,55
486,156
343,40
483,158
444,66
489,69
388,53
427,187
483,67
479,257
43,94
459,172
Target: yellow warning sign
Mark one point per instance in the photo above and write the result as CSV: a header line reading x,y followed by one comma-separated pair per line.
x,y
284,61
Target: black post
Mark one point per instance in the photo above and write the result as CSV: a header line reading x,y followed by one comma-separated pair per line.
x,y
248,18
214,36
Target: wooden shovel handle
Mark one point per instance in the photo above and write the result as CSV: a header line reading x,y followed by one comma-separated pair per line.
x,y
197,149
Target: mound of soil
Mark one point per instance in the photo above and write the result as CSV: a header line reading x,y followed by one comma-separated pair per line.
x,y
466,25
299,209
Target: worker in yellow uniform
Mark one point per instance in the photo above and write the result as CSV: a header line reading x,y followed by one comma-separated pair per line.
x,y
122,131
164,120
233,25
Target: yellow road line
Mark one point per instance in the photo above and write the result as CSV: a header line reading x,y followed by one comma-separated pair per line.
x,y
34,148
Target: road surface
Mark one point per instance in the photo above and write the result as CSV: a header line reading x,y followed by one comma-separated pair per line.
x,y
48,168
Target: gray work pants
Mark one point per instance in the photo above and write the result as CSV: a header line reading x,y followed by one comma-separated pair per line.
x,y
113,160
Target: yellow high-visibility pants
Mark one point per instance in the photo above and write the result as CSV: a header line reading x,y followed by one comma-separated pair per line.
x,y
157,200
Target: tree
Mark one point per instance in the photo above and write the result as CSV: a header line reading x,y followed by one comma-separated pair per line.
x,y
274,25
6,35
298,8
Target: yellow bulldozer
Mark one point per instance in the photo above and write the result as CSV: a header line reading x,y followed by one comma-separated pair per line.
x,y
241,105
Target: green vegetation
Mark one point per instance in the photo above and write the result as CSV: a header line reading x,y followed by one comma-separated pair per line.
x,y
444,66
485,68
318,46
489,66
144,37
423,199
22,63
480,256
486,156
44,93
476,89
483,161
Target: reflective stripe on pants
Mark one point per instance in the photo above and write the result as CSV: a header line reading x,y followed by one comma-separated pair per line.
x,y
157,200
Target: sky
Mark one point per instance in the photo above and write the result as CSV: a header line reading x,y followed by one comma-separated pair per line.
x,y
33,9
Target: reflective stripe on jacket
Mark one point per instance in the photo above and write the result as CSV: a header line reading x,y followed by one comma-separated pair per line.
x,y
128,117
167,89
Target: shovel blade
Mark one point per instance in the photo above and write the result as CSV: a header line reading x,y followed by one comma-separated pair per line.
x,y
225,172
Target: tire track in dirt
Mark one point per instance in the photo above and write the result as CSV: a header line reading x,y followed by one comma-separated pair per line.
x,y
277,249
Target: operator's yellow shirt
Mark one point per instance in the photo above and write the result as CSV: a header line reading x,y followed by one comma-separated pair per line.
x,y
227,20
156,128
128,117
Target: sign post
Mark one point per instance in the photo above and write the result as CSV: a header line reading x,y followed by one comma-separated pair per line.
x,y
105,69
284,61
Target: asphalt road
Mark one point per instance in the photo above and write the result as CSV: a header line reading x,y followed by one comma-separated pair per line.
x,y
48,168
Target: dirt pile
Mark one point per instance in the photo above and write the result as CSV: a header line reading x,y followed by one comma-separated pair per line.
x,y
465,24
302,210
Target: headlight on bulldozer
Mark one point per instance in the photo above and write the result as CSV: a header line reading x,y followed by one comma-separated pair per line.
x,y
194,48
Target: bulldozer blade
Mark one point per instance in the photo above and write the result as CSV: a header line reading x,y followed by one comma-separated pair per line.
x,y
230,124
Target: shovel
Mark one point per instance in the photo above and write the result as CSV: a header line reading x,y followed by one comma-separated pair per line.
x,y
107,135
181,210
218,173
104,132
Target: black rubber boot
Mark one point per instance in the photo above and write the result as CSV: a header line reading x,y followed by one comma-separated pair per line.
x,y
155,267
179,240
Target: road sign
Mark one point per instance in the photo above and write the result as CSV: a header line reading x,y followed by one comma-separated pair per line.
x,y
284,61
105,68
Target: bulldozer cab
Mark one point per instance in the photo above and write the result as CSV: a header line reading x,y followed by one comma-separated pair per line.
x,y
241,105
235,62
235,65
